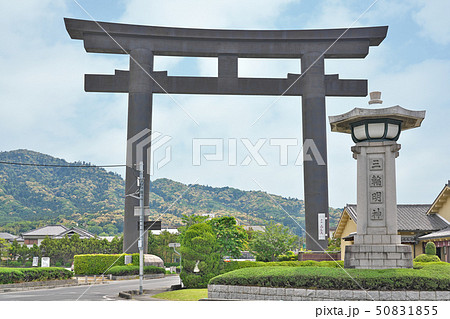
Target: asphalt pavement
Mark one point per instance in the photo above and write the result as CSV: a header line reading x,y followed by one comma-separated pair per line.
x,y
107,292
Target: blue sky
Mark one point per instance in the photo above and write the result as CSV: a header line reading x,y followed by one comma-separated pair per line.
x,y
44,107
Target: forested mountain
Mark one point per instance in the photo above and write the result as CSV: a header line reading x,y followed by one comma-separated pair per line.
x,y
93,198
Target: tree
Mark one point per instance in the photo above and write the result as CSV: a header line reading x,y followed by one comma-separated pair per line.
x,y
231,238
275,241
4,249
159,245
200,252
190,220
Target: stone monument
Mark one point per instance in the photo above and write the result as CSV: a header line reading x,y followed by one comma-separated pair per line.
x,y
310,47
377,244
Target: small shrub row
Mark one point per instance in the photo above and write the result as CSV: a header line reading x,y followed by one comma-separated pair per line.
x,y
15,275
134,270
234,265
427,258
97,264
426,276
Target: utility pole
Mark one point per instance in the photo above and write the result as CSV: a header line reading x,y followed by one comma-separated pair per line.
x,y
141,227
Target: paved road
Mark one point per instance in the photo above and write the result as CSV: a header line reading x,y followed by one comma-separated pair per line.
x,y
108,291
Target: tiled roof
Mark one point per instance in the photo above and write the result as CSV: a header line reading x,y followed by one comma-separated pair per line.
x,y
50,230
255,228
83,233
437,234
411,217
8,236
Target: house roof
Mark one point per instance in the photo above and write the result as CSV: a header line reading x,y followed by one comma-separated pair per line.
x,y
443,233
410,217
50,230
8,236
440,199
255,228
83,233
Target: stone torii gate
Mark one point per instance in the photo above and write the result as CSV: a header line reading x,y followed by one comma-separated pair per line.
x,y
142,43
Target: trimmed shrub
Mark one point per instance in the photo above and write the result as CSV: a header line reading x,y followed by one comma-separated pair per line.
x,y
97,264
234,265
14,275
133,270
424,258
432,276
430,249
199,249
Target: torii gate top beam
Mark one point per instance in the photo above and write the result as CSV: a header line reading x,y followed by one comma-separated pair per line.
x,y
352,43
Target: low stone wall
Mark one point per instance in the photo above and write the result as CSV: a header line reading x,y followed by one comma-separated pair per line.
x,y
148,276
296,294
38,285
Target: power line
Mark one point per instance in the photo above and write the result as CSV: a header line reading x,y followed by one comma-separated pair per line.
x,y
57,165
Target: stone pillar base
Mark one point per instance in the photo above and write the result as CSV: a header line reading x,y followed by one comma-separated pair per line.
x,y
378,256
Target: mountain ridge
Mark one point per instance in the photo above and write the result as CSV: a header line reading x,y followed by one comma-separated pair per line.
x,y
93,198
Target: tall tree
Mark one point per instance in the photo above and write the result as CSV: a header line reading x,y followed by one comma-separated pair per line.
x,y
274,241
201,260
231,238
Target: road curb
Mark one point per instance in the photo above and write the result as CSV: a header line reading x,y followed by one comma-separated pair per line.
x,y
33,285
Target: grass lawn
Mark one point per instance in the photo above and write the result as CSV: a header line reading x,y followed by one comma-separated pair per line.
x,y
183,295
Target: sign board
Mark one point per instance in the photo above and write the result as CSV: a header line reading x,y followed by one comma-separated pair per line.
x,y
128,259
151,225
322,232
137,211
45,262
35,261
174,245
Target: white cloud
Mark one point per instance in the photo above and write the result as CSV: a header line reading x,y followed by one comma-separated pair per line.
x,y
205,13
434,20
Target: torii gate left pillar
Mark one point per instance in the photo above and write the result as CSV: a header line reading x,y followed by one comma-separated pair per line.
x,y
311,46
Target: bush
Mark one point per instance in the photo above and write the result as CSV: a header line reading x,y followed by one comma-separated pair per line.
x,y
97,264
290,256
234,265
430,249
427,258
433,276
14,275
199,249
133,270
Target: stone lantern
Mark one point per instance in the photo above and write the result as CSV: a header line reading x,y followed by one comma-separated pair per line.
x,y
377,244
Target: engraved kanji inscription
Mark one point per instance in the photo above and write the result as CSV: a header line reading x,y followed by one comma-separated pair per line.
x,y
376,213
376,180
375,164
376,197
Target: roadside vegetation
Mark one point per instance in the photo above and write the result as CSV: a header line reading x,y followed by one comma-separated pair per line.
x,y
16,275
424,276
183,295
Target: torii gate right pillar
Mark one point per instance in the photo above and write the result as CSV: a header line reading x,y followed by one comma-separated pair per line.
x,y
314,133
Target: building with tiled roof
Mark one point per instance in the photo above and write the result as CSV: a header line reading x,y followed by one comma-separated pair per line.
x,y
36,236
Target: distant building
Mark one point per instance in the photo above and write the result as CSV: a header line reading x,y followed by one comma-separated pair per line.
x,y
10,238
255,228
35,237
170,230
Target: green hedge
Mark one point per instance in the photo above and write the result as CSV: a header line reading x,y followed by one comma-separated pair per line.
x,y
426,276
234,265
134,270
97,264
14,275
427,258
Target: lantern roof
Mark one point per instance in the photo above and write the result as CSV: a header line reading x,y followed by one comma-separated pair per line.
x,y
410,119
